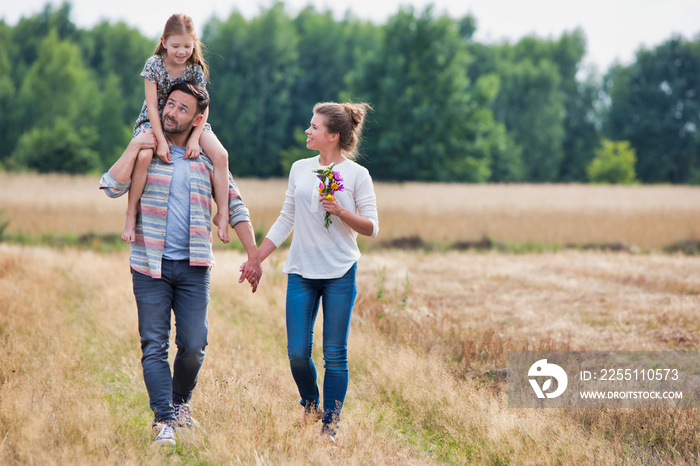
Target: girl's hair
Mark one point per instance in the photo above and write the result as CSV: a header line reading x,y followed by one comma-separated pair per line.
x,y
182,24
347,120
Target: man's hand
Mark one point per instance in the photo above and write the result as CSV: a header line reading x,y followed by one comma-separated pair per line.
x,y
123,168
251,270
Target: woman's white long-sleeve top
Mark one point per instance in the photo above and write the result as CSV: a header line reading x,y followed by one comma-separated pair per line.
x,y
315,252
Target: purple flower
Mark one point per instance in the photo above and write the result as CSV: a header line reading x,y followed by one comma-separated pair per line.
x,y
337,177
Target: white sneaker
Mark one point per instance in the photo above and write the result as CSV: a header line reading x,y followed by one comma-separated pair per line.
x,y
183,415
166,434
329,431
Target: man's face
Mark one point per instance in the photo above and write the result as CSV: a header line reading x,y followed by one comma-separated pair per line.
x,y
179,113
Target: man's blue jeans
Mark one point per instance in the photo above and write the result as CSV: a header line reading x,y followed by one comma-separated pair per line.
x,y
184,289
303,297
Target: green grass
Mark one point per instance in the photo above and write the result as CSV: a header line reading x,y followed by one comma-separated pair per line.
x,y
111,242
108,242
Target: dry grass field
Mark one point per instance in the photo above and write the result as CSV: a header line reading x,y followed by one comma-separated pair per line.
x,y
428,327
644,216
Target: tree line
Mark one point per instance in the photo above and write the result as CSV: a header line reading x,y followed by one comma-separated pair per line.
x,y
446,107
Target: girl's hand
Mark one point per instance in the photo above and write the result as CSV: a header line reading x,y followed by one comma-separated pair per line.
x,y
192,149
163,152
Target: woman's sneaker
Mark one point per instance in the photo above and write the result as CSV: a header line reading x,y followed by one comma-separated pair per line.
x,y
329,431
166,433
312,414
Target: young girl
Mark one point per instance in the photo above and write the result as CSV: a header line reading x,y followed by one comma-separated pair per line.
x,y
177,58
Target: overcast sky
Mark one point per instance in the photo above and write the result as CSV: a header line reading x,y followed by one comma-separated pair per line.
x,y
615,29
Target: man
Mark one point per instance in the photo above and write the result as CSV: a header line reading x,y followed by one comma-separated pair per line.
x,y
172,256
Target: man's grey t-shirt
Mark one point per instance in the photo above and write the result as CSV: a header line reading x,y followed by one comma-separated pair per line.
x,y
177,230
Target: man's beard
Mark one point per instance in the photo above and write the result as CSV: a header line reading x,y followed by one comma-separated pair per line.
x,y
176,128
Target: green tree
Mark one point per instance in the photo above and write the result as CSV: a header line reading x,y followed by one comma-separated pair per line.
x,y
429,123
506,156
60,147
327,52
582,127
581,120
531,106
613,163
114,128
7,95
507,163
29,34
296,152
655,105
117,53
23,46
57,94
57,84
253,66
540,89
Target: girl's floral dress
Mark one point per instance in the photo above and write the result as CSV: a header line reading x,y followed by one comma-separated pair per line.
x,y
155,71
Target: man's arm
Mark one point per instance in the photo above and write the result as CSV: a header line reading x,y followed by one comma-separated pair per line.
x,y
116,181
251,270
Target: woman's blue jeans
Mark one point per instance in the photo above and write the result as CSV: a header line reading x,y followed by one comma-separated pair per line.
x,y
303,298
184,289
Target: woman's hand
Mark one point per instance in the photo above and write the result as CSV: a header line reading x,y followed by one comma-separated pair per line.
x,y
251,270
332,206
357,222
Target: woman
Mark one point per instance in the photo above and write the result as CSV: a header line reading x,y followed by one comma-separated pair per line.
x,y
323,256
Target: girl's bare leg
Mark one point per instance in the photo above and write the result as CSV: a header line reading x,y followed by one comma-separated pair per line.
x,y
219,156
138,183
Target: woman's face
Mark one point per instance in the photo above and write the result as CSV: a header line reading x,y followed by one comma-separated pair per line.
x,y
317,135
179,47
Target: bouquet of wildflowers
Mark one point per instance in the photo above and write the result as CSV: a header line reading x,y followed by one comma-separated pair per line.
x,y
331,182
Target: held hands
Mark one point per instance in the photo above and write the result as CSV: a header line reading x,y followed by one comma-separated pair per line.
x,y
251,270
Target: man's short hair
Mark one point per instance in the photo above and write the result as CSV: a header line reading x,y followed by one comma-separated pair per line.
x,y
198,92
